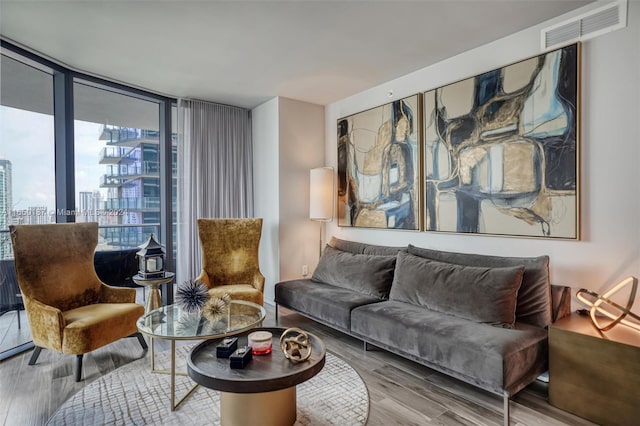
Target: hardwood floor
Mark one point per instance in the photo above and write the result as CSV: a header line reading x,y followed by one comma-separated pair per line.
x,y
401,392
10,334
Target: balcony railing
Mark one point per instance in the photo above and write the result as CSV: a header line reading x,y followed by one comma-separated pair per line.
x,y
133,170
114,134
109,181
134,203
111,237
113,153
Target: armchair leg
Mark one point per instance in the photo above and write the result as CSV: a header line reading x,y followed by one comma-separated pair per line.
x,y
276,313
140,337
35,355
78,372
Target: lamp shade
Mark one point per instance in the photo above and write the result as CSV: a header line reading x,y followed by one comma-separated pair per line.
x,y
321,194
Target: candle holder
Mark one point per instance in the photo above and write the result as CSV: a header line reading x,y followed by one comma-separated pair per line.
x,y
260,342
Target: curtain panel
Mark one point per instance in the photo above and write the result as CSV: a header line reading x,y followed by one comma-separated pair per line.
x,y
215,173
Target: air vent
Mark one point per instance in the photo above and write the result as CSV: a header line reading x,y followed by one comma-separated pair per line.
x,y
601,20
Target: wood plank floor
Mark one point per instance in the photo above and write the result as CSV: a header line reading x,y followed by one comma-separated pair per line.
x,y
401,392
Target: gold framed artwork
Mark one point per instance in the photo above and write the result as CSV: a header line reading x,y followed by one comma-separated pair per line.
x,y
379,166
501,150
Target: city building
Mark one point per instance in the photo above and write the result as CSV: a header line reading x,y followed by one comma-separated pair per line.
x,y
89,207
6,207
132,181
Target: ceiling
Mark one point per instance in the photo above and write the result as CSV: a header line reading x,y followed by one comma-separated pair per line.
x,y
246,52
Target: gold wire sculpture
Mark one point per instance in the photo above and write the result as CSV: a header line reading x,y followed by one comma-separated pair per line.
x,y
295,345
603,305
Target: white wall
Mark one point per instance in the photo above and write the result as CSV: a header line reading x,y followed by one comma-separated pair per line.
x,y
610,148
301,149
265,133
288,141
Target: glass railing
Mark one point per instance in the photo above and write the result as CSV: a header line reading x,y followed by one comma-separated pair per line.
x,y
132,170
110,237
112,152
134,203
114,135
125,236
106,180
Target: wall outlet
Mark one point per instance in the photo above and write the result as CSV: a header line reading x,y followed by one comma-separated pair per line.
x,y
305,270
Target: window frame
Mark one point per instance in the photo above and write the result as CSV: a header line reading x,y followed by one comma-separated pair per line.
x,y
63,80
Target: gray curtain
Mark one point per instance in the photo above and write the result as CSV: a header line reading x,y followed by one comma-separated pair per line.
x,y
215,173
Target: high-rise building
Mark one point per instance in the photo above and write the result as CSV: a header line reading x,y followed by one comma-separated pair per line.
x,y
6,207
89,208
39,215
133,184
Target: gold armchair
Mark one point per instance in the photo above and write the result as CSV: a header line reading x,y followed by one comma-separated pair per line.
x,y
69,309
230,258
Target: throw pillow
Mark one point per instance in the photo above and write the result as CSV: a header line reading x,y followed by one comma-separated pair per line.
x,y
485,295
534,297
363,273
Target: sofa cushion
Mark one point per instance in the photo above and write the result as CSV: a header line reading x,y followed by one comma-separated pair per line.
x,y
363,248
486,295
364,273
492,358
320,301
534,297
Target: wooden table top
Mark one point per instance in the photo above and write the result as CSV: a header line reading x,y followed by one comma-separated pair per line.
x,y
264,373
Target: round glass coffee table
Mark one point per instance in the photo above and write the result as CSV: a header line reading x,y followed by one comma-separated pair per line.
x,y
267,384
172,323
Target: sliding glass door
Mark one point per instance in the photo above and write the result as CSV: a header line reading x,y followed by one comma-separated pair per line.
x,y
107,154
27,178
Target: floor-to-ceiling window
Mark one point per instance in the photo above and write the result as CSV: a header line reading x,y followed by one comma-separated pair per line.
x,y
117,164
107,154
27,176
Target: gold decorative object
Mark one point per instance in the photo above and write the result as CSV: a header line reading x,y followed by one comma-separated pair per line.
x,y
295,345
216,307
603,305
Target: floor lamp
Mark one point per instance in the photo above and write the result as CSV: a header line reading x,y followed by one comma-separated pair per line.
x,y
321,197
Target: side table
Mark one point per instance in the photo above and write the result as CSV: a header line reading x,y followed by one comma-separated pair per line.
x,y
154,301
172,323
593,374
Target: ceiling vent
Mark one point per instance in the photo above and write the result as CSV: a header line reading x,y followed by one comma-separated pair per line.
x,y
601,20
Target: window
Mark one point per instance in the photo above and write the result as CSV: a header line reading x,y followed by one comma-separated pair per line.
x,y
105,164
27,177
117,168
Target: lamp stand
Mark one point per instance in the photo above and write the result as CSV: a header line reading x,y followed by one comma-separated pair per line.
x,y
320,239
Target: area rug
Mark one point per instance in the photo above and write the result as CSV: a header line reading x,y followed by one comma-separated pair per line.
x,y
132,395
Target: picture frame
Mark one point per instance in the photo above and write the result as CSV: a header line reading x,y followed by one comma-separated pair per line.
x,y
379,166
501,150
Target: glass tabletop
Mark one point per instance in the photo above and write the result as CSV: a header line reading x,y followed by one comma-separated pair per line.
x,y
173,323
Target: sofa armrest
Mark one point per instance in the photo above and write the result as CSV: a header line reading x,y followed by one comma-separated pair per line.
x,y
560,302
110,294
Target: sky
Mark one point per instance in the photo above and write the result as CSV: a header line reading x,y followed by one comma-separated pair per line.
x,y
26,139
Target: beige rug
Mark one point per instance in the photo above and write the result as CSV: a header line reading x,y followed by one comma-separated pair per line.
x,y
132,395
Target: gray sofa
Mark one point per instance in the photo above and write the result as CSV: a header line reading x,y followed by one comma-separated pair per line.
x,y
481,319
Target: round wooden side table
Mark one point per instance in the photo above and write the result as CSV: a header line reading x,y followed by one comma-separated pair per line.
x,y
154,301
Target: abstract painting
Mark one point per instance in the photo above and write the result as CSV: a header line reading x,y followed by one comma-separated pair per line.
x,y
501,150
378,167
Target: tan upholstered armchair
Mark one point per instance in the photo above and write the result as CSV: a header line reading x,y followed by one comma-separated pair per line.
x,y
69,309
230,258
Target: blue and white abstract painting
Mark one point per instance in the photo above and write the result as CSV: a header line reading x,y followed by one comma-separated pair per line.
x,y
501,150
